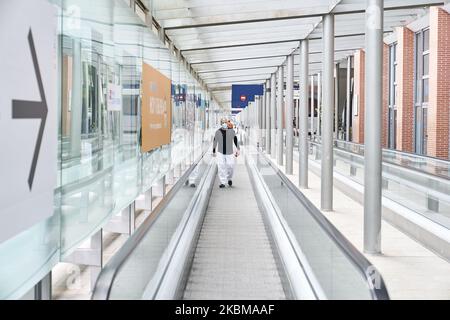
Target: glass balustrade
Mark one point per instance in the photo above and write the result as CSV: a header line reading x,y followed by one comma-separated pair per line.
x,y
408,185
101,168
334,264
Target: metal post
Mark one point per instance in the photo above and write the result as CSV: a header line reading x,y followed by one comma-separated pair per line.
x,y
159,188
263,120
43,289
257,113
289,115
91,256
273,114
328,110
336,101
296,103
372,130
303,115
76,100
319,104
280,102
148,200
312,107
347,106
267,106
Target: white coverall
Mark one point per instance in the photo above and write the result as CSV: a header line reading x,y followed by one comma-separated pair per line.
x,y
194,175
225,167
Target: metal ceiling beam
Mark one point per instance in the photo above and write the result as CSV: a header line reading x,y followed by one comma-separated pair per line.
x,y
234,76
239,81
349,35
236,69
241,45
334,11
226,23
392,8
240,59
221,89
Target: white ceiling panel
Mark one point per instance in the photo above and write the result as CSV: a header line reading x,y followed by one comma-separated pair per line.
x,y
244,41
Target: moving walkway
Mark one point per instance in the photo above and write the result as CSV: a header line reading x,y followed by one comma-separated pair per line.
x,y
260,239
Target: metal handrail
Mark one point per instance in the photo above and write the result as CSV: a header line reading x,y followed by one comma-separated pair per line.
x,y
317,141
300,276
105,280
412,170
173,279
358,260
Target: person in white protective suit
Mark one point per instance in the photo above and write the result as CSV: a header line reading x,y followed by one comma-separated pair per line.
x,y
223,144
194,176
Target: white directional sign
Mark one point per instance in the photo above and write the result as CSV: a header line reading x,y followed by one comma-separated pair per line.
x,y
28,108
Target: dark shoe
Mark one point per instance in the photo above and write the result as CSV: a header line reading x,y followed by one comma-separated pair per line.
x,y
192,185
230,183
222,186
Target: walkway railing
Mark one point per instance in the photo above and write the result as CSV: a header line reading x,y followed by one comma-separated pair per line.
x,y
335,268
409,180
425,164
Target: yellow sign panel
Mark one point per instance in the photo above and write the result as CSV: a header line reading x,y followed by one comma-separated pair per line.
x,y
156,109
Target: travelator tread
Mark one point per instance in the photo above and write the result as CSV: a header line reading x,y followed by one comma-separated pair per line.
x,y
233,257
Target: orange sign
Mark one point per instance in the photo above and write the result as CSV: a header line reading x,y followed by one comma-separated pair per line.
x,y
156,109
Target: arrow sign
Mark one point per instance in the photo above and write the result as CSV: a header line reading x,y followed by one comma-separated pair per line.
x,y
22,109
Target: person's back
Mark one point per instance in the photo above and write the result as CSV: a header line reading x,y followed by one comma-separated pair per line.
x,y
224,139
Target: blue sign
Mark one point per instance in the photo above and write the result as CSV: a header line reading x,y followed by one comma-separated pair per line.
x,y
242,94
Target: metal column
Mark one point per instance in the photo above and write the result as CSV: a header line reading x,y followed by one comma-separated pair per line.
x,y
372,130
280,102
312,107
273,115
303,115
43,289
319,104
263,120
347,105
289,118
76,101
336,101
328,110
257,118
268,125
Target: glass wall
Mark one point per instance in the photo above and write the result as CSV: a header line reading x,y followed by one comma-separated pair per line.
x,y
102,47
392,116
421,96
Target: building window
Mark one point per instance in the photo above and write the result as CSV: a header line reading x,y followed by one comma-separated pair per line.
x,y
422,67
392,116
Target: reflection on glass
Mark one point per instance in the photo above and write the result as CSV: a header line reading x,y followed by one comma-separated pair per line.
x,y
102,45
419,183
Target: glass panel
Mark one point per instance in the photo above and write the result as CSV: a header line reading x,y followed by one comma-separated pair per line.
x,y
395,95
426,40
395,52
395,130
425,130
424,189
418,133
394,74
29,256
102,45
426,64
418,68
334,271
143,264
426,90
